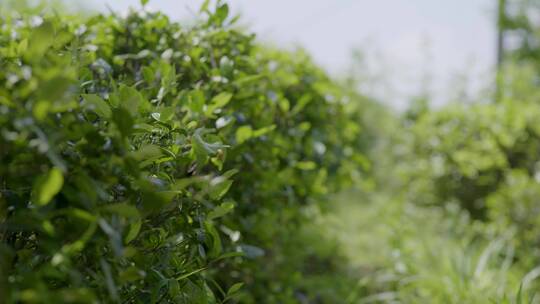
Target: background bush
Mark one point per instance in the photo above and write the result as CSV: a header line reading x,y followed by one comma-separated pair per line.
x,y
465,152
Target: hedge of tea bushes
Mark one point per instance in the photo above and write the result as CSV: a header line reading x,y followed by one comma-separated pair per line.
x,y
486,159
143,161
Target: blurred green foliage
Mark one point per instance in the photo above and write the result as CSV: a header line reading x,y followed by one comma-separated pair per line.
x,y
485,158
464,152
520,29
401,252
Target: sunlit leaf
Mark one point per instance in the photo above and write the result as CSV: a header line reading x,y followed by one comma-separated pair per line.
x,y
48,186
98,105
243,133
220,210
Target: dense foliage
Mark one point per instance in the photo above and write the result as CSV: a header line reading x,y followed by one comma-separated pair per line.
x,y
147,162
485,158
519,29
466,152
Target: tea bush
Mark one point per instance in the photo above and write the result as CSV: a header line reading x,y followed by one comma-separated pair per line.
x,y
486,159
147,162
406,253
465,152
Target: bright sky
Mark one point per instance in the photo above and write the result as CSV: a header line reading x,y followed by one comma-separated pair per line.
x,y
444,44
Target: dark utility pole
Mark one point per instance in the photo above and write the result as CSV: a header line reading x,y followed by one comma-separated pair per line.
x,y
501,16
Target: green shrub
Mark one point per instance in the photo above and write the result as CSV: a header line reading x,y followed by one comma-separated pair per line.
x,y
463,153
515,206
145,162
486,159
405,253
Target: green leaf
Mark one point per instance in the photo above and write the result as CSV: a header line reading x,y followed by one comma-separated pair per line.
x,y
54,89
131,274
148,74
40,40
132,100
174,288
221,184
168,80
165,115
153,201
98,105
263,131
23,46
78,246
204,6
48,186
41,109
134,229
220,211
220,189
196,101
203,149
243,133
221,14
248,79
189,274
147,153
301,104
306,165
234,289
123,120
214,241
219,101
144,2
